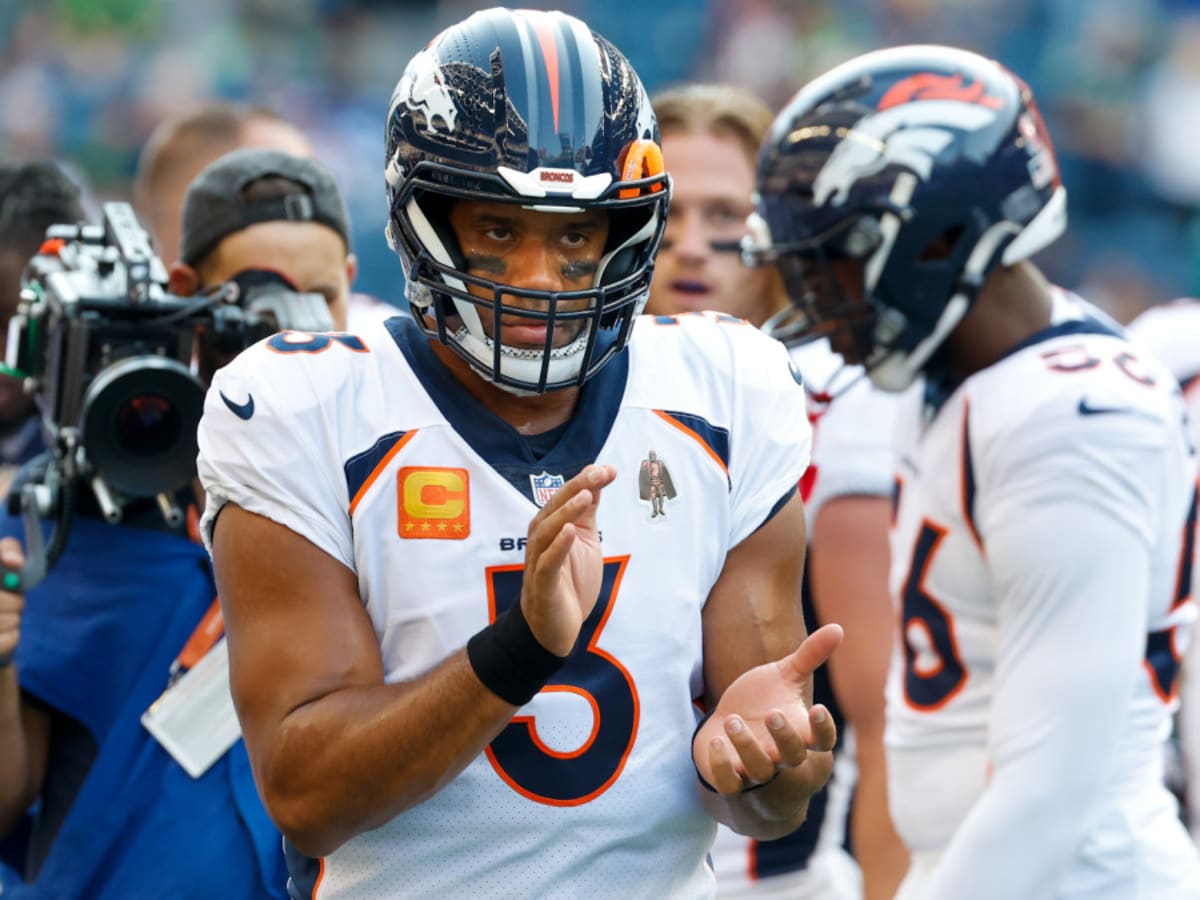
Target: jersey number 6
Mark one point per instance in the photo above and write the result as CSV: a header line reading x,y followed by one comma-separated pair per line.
x,y
933,673
572,777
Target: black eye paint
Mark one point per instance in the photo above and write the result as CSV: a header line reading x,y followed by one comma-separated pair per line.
x,y
493,264
573,271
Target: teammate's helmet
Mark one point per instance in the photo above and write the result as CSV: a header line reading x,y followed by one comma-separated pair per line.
x,y
930,166
530,108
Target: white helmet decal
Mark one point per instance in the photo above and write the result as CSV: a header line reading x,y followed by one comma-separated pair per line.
x,y
910,135
422,89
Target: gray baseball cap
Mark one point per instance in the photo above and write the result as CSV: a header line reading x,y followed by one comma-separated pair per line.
x,y
215,205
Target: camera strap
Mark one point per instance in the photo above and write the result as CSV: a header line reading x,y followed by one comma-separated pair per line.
x,y
194,719
212,625
206,634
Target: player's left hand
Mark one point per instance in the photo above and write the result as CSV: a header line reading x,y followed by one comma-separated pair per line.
x,y
762,726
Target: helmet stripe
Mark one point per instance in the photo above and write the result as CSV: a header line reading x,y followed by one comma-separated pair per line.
x,y
584,66
543,28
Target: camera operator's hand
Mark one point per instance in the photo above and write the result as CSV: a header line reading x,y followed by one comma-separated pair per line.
x,y
10,604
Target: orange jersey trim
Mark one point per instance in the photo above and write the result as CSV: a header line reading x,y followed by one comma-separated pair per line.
x,y
378,470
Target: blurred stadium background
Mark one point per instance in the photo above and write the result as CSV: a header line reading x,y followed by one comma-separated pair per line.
x,y
85,81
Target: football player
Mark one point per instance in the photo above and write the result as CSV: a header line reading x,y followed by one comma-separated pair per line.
x,y
1042,543
711,135
448,685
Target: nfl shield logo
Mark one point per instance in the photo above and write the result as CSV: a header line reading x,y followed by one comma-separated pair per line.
x,y
544,486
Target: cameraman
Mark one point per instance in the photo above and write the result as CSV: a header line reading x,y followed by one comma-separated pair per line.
x,y
128,604
33,196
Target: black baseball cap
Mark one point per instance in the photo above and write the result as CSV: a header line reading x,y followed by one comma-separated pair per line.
x,y
215,204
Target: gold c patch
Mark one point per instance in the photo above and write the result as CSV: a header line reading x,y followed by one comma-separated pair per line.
x,y
434,502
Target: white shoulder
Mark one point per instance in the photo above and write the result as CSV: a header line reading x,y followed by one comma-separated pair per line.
x,y
1071,385
280,420
1086,418
709,351
292,371
739,381
1171,333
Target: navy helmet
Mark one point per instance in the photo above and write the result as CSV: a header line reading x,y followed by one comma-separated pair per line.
x,y
929,166
530,108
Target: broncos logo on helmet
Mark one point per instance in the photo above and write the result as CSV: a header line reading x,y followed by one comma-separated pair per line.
x,y
423,91
925,166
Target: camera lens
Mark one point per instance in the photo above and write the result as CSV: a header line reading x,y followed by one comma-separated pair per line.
x,y
147,425
138,425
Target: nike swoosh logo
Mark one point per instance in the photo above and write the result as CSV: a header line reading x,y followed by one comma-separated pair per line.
x,y
1086,409
241,410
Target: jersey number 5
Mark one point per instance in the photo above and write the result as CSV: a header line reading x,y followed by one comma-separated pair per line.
x,y
572,777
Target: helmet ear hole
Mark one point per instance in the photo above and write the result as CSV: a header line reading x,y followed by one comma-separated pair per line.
x,y
943,246
623,225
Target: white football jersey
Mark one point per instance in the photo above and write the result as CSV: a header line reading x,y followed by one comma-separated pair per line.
x,y
853,434
370,448
852,455
1040,560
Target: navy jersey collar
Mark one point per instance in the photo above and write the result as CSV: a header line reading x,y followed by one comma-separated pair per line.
x,y
497,442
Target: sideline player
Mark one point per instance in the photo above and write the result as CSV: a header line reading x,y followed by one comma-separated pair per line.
x,y
379,510
1042,544
711,135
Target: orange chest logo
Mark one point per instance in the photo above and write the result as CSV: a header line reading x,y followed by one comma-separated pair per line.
x,y
434,502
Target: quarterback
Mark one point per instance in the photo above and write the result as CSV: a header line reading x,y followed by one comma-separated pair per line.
x,y
468,657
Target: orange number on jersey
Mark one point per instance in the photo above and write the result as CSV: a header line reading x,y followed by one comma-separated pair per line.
x,y
1076,358
303,342
521,757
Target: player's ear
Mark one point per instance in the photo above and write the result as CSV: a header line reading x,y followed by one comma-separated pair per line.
x,y
351,268
183,280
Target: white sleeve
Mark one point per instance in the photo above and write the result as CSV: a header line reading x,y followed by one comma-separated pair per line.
x,y
771,440
278,462
1069,551
853,446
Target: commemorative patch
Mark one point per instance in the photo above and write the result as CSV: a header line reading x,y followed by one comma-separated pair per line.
x,y
655,485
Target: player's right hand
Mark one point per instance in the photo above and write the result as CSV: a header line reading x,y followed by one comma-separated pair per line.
x,y
11,605
563,561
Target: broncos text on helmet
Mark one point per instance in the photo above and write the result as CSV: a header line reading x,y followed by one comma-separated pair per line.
x,y
918,169
529,108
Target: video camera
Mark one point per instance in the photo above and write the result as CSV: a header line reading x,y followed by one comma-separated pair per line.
x,y
106,352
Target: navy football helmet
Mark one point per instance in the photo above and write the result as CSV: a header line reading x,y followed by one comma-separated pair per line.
x,y
530,108
928,167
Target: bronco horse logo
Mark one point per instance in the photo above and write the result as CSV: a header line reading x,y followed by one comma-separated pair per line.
x,y
910,135
422,89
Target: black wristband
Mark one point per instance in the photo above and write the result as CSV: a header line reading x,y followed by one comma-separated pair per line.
x,y
704,783
508,659
6,659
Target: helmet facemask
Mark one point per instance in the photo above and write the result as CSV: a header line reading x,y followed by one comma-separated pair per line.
x,y
598,318
824,277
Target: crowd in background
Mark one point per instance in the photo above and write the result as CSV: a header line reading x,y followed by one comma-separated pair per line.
x,y
1119,83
